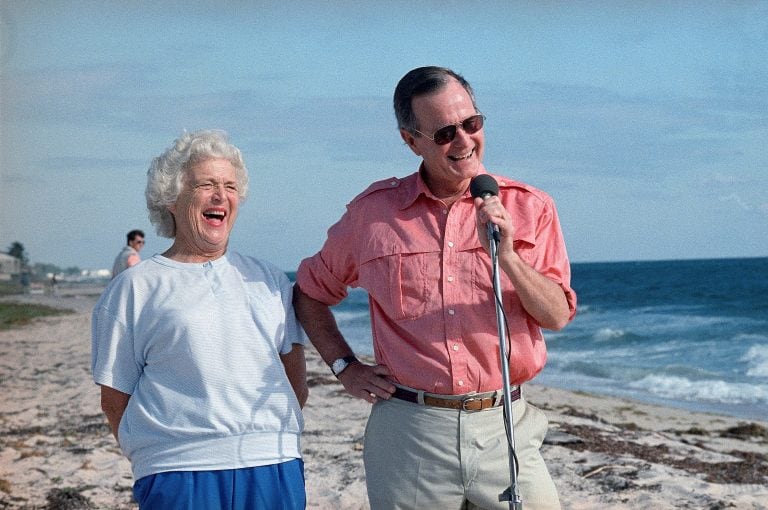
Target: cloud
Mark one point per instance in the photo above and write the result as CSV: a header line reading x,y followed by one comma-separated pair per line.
x,y
736,199
600,131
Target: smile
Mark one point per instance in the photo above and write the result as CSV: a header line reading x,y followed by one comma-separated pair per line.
x,y
216,215
462,158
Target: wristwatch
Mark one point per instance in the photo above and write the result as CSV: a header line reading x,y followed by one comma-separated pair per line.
x,y
341,364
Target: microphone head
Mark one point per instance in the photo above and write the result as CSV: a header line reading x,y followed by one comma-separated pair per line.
x,y
483,185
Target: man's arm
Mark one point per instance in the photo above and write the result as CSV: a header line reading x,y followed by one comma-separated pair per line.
x,y
360,380
132,260
113,403
296,370
541,297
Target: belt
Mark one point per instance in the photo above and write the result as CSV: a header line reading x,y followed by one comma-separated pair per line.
x,y
468,402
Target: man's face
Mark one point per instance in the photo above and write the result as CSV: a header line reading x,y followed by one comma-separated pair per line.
x,y
450,166
206,209
137,243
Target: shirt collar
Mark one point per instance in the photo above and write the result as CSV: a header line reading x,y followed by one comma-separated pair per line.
x,y
413,186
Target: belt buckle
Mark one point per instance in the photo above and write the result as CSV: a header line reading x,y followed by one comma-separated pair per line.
x,y
471,399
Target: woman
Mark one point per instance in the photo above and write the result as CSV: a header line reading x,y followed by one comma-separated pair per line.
x,y
198,352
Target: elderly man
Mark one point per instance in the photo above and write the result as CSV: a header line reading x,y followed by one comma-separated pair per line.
x,y
198,351
418,245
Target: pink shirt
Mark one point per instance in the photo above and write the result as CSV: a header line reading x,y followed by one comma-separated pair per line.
x,y
430,286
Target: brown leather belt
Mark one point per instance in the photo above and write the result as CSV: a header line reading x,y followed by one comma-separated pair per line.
x,y
469,402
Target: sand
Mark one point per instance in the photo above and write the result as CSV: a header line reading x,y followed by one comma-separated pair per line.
x,y
56,450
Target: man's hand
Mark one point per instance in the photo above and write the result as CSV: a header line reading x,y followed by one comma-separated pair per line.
x,y
368,382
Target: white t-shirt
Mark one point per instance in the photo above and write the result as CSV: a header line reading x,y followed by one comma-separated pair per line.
x,y
121,261
197,347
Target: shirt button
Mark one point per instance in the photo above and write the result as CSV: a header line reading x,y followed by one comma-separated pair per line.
x,y
450,244
461,382
455,347
445,211
393,183
450,278
451,312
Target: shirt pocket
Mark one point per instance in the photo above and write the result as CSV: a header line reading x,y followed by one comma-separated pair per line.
x,y
479,265
404,283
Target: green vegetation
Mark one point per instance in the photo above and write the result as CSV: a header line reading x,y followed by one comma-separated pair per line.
x,y
14,314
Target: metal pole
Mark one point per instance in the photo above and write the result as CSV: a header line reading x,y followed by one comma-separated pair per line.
x,y
512,494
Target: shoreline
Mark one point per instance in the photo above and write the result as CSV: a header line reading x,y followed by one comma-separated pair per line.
x,y
81,297
602,452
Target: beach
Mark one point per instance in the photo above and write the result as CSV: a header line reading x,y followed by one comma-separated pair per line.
x,y
56,450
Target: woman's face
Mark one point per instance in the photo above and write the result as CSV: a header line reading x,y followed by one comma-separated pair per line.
x,y
205,211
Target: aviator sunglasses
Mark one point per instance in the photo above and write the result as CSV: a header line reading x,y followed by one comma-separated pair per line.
x,y
446,134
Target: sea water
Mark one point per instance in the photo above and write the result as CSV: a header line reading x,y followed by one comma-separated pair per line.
x,y
688,333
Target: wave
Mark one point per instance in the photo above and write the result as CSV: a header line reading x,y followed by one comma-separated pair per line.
x,y
604,334
351,316
757,360
717,391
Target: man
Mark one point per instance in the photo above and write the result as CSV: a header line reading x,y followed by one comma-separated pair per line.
x,y
129,255
198,352
418,245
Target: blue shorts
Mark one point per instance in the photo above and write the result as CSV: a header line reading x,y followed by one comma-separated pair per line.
x,y
278,486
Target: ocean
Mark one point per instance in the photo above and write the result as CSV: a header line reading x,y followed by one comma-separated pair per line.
x,y
690,334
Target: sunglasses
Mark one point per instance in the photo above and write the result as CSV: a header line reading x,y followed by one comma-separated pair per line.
x,y
446,134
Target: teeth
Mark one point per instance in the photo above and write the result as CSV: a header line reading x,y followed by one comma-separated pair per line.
x,y
214,214
459,158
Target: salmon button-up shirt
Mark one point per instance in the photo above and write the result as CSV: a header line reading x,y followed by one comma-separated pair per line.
x,y
429,282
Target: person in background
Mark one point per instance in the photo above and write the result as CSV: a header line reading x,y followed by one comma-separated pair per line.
x,y
198,352
25,281
418,245
129,255
54,286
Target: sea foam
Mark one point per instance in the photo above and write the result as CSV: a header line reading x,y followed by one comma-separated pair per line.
x,y
707,391
757,361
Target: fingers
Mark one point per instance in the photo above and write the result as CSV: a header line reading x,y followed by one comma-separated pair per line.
x,y
367,382
492,210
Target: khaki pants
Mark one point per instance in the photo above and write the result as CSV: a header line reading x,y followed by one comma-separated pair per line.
x,y
426,457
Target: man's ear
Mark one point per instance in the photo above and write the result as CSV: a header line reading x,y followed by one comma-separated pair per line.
x,y
410,141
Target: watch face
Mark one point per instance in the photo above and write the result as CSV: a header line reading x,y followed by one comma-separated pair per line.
x,y
338,365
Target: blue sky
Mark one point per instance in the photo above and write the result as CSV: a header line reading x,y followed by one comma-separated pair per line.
x,y
646,121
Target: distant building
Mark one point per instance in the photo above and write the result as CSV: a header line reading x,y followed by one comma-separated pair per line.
x,y
9,266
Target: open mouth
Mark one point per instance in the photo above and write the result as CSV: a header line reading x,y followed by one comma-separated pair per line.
x,y
215,215
464,157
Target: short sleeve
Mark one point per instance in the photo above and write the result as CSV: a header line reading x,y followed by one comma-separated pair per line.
x,y
294,334
113,362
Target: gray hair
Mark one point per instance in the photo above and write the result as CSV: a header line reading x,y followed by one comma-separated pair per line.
x,y
423,81
166,173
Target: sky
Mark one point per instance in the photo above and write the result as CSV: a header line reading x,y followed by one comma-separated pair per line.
x,y
647,122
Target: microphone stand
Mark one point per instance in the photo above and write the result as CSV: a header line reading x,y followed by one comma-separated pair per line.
x,y
511,494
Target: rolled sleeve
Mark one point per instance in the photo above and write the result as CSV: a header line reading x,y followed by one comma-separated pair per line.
x,y
553,257
327,275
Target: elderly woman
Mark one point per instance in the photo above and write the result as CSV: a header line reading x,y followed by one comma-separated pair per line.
x,y
198,352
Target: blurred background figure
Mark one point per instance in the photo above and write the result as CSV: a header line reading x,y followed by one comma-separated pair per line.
x,y
129,255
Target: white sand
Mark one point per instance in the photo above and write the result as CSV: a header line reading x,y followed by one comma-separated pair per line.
x,y
54,436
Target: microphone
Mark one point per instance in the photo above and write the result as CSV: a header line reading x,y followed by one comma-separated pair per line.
x,y
485,186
